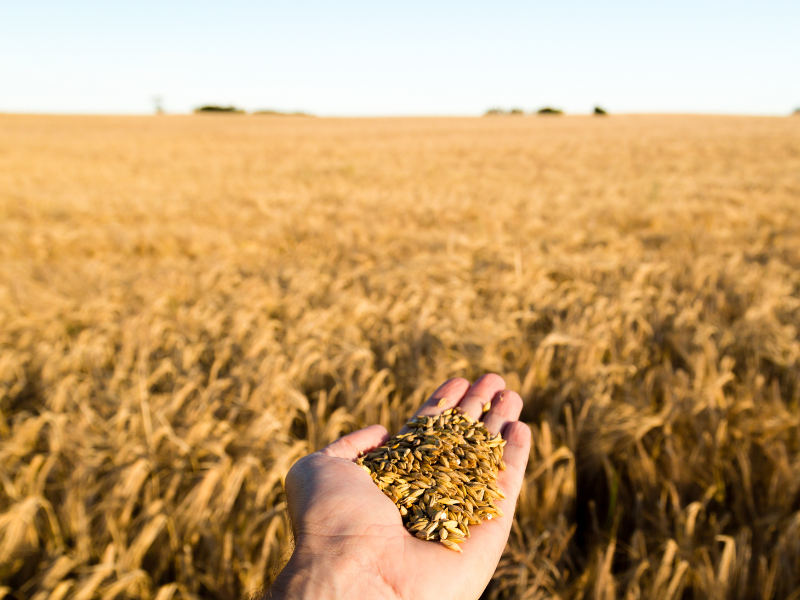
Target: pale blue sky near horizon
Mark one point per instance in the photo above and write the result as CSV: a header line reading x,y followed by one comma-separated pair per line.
x,y
358,58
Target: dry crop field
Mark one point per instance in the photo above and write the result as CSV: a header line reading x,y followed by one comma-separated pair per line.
x,y
190,303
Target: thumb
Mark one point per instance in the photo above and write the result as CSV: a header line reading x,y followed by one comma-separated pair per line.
x,y
352,445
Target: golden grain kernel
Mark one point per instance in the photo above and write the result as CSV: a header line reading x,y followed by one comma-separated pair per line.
x,y
450,545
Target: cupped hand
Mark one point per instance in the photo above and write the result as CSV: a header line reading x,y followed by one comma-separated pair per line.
x,y
349,537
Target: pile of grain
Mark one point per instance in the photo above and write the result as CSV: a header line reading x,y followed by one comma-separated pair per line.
x,y
442,475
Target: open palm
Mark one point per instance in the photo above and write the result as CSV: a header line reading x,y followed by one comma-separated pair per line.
x,y
340,516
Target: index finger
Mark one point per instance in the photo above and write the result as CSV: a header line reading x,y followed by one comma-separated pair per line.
x,y
447,396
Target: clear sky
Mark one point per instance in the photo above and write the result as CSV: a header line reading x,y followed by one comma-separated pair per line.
x,y
401,58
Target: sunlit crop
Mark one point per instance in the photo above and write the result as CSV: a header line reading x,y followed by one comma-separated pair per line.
x,y
189,304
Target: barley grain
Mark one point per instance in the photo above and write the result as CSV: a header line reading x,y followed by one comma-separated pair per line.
x,y
439,507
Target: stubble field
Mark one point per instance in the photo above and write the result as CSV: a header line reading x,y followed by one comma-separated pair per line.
x,y
190,303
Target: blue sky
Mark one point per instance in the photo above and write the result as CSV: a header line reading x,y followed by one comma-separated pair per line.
x,y
401,58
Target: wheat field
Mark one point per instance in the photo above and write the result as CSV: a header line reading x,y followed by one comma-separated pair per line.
x,y
190,303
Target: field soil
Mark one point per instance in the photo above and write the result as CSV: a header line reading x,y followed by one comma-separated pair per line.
x,y
188,304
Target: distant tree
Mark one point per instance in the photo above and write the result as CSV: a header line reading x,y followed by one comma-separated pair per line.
x,y
211,108
516,111
599,111
492,112
158,104
797,111
547,110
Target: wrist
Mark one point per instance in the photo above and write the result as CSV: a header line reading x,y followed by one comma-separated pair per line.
x,y
310,574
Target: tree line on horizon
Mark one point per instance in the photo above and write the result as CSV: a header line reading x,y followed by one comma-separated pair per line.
x,y
547,110
213,108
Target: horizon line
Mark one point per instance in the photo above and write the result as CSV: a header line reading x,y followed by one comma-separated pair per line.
x,y
302,114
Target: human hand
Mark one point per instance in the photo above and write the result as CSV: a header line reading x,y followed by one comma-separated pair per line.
x,y
350,541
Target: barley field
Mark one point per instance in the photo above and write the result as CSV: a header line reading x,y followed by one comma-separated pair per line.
x,y
190,303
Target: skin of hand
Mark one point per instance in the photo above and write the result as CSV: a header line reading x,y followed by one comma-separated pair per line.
x,y
350,541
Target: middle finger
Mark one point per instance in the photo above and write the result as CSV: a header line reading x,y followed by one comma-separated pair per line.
x,y
481,392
